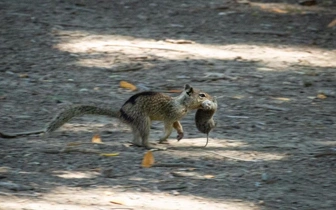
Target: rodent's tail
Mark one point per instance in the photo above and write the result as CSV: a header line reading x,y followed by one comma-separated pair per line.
x,y
78,110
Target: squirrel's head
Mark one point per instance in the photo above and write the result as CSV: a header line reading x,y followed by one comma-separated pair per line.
x,y
196,99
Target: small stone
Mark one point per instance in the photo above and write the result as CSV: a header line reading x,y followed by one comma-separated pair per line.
x,y
174,192
264,177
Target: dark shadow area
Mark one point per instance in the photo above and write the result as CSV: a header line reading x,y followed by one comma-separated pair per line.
x,y
272,68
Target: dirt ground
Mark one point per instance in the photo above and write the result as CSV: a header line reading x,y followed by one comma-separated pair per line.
x,y
272,65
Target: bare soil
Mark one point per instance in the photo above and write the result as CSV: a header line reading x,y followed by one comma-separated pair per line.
x,y
270,63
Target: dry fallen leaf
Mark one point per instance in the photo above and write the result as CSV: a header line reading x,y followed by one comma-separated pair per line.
x,y
116,202
332,23
321,96
127,85
23,75
109,154
96,139
280,11
148,160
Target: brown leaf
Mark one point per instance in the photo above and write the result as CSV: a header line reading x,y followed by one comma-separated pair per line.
x,y
116,202
96,139
127,85
321,96
23,75
148,160
332,23
280,11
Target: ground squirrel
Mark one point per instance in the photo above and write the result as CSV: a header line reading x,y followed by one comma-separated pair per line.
x,y
138,112
204,118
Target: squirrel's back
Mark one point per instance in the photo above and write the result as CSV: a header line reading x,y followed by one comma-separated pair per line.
x,y
157,106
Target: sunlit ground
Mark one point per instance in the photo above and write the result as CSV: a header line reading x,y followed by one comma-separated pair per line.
x,y
115,197
285,8
228,148
97,48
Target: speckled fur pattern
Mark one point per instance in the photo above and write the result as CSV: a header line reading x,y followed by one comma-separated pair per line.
x,y
141,109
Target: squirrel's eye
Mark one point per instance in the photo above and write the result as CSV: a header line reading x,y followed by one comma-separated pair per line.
x,y
202,95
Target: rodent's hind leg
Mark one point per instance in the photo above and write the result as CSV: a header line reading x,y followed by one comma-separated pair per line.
x,y
136,137
143,124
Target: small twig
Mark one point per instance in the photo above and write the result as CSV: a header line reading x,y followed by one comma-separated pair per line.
x,y
180,41
177,187
25,133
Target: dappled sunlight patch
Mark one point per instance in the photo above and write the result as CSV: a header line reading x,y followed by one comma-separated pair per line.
x,y
75,174
117,197
331,143
287,8
282,100
38,205
248,156
93,50
224,149
199,142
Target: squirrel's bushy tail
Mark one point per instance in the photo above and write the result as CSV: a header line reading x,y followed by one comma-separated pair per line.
x,y
78,110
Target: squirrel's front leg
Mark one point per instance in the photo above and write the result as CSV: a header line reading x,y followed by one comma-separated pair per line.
x,y
178,127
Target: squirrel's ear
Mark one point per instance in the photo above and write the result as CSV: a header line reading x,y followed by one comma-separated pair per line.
x,y
188,89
